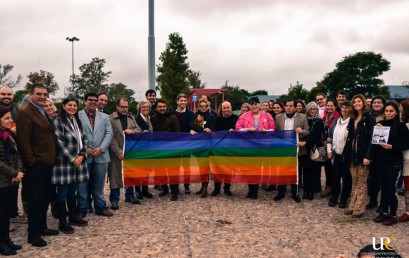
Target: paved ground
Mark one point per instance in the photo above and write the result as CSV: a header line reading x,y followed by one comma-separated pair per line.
x,y
219,227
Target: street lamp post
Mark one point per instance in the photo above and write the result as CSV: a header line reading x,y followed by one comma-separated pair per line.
x,y
72,39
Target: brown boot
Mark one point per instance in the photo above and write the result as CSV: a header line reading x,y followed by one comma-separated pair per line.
x,y
326,193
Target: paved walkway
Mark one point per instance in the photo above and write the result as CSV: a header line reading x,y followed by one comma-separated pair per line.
x,y
219,227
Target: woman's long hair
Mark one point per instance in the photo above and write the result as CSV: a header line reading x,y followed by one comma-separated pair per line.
x,y
63,114
354,113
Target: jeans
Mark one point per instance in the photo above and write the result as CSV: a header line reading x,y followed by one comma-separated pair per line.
x,y
114,195
97,175
65,192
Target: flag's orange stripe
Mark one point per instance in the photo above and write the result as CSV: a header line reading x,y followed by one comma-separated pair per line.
x,y
254,170
165,171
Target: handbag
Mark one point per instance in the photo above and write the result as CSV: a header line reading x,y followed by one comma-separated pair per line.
x,y
318,154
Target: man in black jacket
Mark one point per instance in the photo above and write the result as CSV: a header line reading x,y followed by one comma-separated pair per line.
x,y
165,121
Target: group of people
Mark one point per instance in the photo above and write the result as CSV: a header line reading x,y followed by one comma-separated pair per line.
x,y
63,158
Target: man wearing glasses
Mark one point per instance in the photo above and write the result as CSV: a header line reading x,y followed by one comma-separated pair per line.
x,y
98,130
122,122
37,146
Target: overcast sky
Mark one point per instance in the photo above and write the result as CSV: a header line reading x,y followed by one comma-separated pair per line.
x,y
257,45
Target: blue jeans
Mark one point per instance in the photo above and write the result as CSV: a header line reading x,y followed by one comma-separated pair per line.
x,y
97,175
65,192
114,195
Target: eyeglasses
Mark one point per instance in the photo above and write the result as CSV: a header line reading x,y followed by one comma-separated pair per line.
x,y
41,94
203,106
92,100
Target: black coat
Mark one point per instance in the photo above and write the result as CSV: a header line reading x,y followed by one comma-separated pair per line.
x,y
362,135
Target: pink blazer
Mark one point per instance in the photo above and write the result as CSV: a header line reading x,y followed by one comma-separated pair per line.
x,y
246,120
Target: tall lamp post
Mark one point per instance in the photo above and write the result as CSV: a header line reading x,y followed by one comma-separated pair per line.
x,y
72,39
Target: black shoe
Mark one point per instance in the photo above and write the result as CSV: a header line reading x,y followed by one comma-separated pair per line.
x,y
371,205
174,197
332,203
65,228
187,190
37,241
296,198
139,195
147,195
248,196
254,196
133,200
49,232
311,196
7,250
305,195
215,193
12,245
342,205
278,197
114,206
77,221
163,193
228,193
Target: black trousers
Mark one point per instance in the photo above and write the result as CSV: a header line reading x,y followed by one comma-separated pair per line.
x,y
38,185
6,202
14,201
341,171
311,176
373,182
328,173
218,186
388,174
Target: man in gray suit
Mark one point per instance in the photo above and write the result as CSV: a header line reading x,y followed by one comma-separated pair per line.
x,y
98,130
291,120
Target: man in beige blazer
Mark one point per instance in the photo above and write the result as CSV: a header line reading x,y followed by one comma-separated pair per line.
x,y
291,120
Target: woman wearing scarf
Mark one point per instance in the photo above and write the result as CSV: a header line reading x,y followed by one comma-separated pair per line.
x,y
70,167
330,114
10,173
311,169
336,140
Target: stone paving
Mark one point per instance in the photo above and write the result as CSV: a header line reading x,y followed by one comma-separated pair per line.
x,y
219,226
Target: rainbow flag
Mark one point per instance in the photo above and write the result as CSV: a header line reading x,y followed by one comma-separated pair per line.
x,y
166,158
231,157
254,157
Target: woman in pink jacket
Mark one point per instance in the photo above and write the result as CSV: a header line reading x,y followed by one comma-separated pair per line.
x,y
255,120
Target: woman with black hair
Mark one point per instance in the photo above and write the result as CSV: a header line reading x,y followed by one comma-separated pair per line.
x,y
389,158
11,168
70,167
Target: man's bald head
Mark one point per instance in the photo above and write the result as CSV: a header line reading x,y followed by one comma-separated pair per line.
x,y
6,95
226,109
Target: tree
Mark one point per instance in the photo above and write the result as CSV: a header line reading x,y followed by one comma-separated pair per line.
x,y
194,80
357,73
259,92
236,96
295,92
314,91
119,90
42,77
92,78
173,70
6,80
18,96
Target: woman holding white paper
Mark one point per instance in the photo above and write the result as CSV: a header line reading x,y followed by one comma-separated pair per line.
x,y
390,156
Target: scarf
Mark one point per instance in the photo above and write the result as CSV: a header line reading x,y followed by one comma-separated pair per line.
x,y
9,145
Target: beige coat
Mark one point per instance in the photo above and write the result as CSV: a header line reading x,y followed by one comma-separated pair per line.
x,y
300,120
116,148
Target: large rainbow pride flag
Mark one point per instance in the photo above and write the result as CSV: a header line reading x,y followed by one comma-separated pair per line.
x,y
231,157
